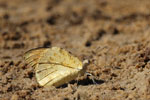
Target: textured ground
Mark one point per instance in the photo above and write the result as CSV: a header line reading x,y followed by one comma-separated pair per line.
x,y
113,34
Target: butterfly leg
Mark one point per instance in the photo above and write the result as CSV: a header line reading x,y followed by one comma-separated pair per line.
x,y
89,74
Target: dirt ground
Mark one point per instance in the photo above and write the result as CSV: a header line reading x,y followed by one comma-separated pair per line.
x,y
113,34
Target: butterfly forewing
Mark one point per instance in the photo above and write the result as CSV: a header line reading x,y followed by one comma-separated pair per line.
x,y
32,57
60,56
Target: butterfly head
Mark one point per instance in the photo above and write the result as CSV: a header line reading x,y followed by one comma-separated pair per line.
x,y
85,63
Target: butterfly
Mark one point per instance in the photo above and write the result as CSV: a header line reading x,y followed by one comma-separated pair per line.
x,y
54,66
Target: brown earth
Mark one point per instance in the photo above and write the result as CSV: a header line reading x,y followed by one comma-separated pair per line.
x,y
113,34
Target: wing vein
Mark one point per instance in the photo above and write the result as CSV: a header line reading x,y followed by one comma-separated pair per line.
x,y
48,74
56,64
38,71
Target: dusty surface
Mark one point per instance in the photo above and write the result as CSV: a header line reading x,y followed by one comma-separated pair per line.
x,y
114,35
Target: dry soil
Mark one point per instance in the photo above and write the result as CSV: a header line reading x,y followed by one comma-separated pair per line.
x,y
113,34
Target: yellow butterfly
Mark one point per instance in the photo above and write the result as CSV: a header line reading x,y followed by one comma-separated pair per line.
x,y
54,66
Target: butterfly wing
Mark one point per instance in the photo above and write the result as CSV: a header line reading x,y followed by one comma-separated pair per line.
x,y
32,57
56,75
54,66
53,55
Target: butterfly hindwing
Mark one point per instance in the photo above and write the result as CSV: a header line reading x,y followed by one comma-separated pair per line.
x,y
55,75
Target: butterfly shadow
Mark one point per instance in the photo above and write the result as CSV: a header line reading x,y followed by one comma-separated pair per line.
x,y
83,82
